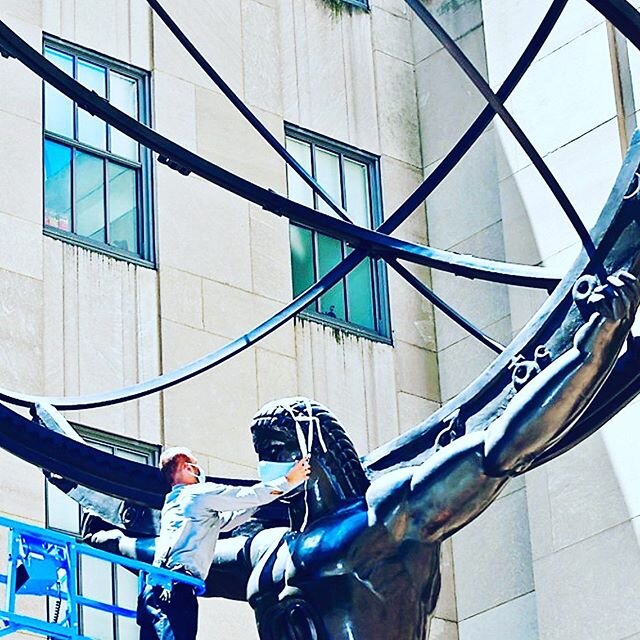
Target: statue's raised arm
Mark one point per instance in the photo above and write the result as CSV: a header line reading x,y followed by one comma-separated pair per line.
x,y
459,481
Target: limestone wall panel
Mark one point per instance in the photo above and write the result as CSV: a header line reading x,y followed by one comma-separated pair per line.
x,y
215,29
603,606
447,99
210,413
515,620
398,120
270,255
362,110
199,228
492,557
20,179
261,56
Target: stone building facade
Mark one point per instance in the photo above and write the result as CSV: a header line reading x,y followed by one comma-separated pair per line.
x,y
557,556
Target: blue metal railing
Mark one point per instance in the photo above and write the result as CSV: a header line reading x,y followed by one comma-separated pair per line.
x,y
44,563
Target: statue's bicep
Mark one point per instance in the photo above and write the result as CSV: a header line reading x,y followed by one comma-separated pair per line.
x,y
451,488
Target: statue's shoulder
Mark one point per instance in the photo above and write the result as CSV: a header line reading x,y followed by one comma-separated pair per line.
x,y
388,491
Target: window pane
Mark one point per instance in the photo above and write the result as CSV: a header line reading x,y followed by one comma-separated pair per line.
x,y
62,512
133,456
329,255
297,187
357,192
57,185
127,590
89,196
96,583
92,130
328,175
124,96
301,258
360,295
123,210
58,113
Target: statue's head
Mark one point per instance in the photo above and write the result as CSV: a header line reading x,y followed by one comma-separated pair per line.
x,y
285,430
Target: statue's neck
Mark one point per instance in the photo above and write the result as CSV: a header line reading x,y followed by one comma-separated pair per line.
x,y
321,497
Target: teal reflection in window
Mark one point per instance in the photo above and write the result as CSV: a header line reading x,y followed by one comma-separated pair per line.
x,y
92,130
360,300
89,196
58,111
301,258
331,303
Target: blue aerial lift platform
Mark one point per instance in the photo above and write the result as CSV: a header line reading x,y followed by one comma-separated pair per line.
x,y
44,563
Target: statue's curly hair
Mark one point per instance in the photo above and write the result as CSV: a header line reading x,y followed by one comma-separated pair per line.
x,y
341,456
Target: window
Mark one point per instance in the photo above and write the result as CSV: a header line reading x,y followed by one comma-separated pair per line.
x,y
99,579
363,4
96,179
359,302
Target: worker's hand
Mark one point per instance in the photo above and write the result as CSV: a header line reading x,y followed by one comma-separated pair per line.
x,y
300,471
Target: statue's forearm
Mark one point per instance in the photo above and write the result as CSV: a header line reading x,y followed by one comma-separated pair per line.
x,y
462,479
543,411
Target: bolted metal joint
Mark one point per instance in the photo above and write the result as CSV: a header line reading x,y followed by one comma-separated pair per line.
x,y
172,164
581,292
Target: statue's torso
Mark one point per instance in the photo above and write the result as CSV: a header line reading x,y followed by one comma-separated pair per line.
x,y
345,578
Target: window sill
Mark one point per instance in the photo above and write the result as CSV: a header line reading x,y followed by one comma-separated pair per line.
x,y
345,327
104,249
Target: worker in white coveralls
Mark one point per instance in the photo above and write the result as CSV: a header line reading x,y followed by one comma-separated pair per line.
x,y
193,515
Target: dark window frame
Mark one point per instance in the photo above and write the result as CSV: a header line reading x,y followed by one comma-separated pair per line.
x,y
381,310
145,227
117,441
361,4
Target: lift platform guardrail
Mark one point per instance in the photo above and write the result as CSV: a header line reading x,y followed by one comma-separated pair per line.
x,y
44,563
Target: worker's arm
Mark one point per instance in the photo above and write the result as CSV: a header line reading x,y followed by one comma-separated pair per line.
x,y
222,497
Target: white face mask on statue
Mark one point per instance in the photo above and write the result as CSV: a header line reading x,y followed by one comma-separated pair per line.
x,y
199,474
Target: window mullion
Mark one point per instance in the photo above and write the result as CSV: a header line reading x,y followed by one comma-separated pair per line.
x,y
312,148
108,98
105,179
345,289
316,265
74,224
75,104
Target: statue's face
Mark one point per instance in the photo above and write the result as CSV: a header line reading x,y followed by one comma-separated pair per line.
x,y
276,445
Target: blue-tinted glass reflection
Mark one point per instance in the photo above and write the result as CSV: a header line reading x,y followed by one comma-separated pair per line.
x,y
57,185
89,196
92,130
298,189
58,112
357,192
123,210
328,175
123,94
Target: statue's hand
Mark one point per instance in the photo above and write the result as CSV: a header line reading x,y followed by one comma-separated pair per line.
x,y
62,483
106,540
618,299
614,305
